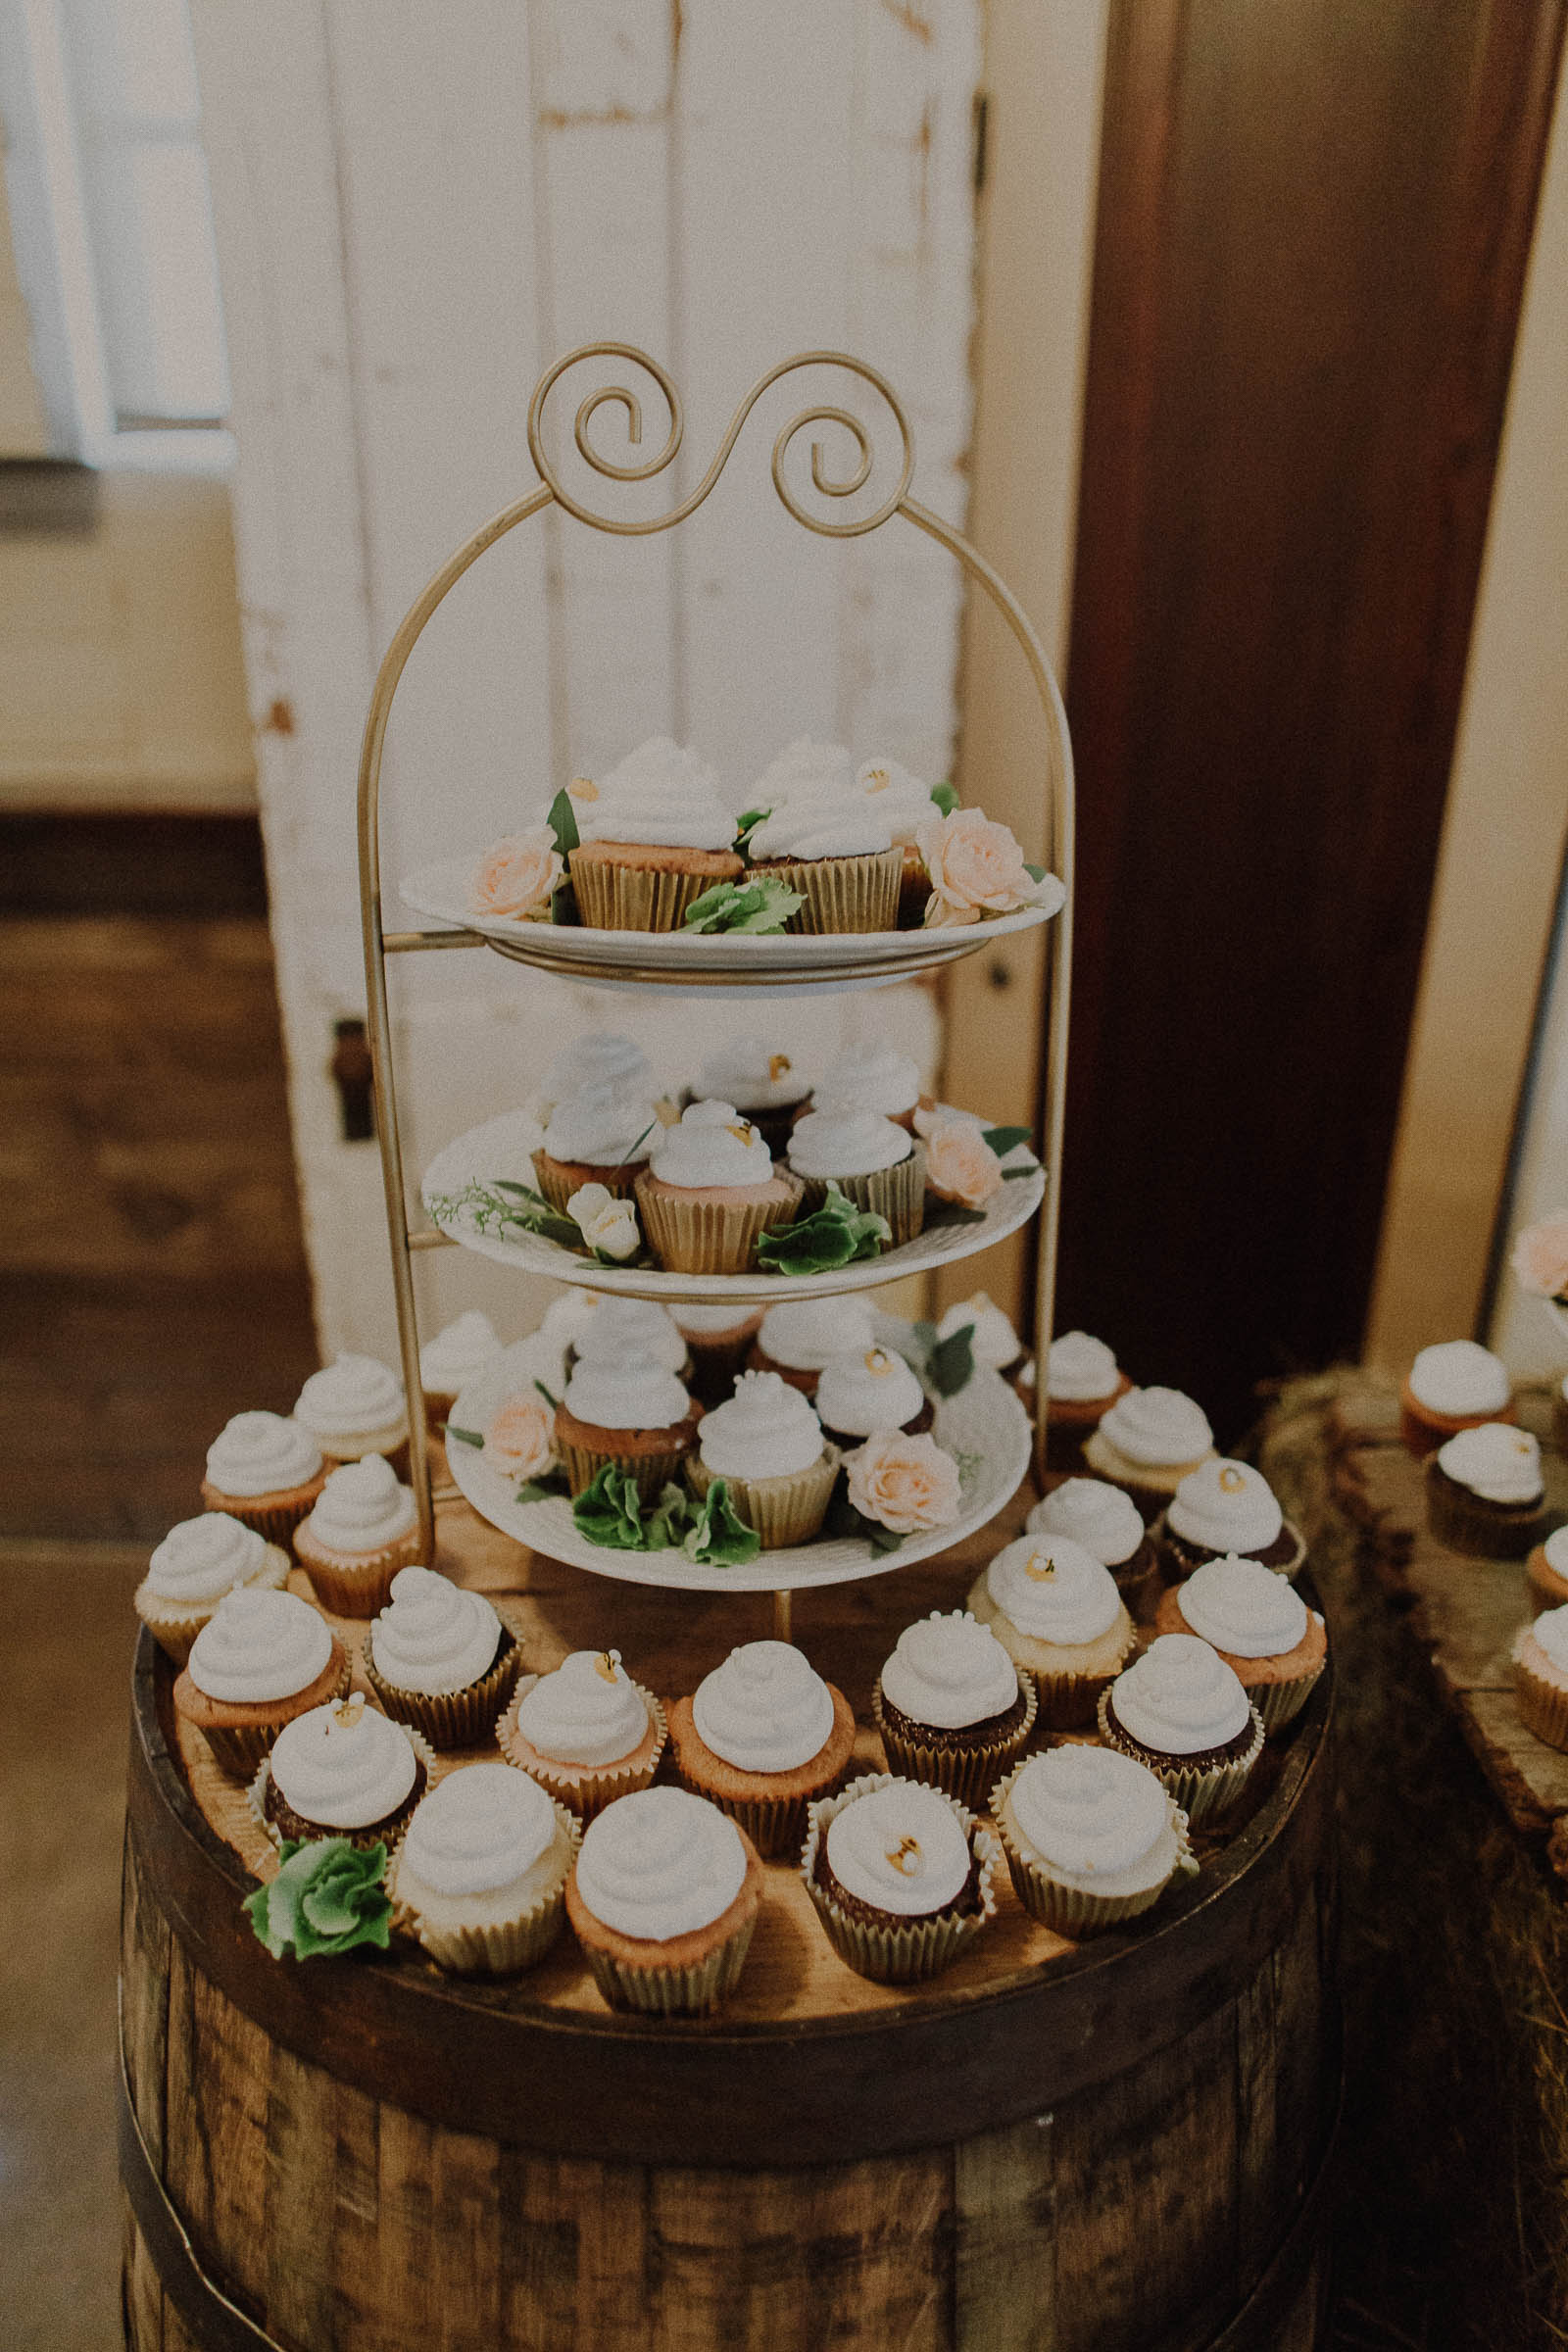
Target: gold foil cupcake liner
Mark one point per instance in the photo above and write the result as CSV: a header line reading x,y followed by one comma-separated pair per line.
x,y
591,1788
897,1193
274,1516
256,1803
783,1510
558,1182
238,1748
496,1947
891,1951
686,1991
652,1471
611,896
842,893
1202,1791
1076,1911
967,1773
449,1718
689,1236
173,1625
359,1587
1542,1707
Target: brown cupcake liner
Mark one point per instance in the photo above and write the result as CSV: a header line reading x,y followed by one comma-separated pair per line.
x,y
966,1772
359,1587
498,1948
256,1801
689,1236
1482,1531
842,893
449,1718
687,1992
1201,1790
897,1193
652,1471
274,1516
1076,1911
175,1625
238,1748
783,1510
1542,1707
891,1951
611,896
558,1179
589,1788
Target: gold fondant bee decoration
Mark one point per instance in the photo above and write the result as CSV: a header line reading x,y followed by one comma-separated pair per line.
x,y
906,1857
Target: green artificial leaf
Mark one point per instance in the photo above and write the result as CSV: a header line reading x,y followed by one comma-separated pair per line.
x,y
765,904
1036,873
922,1338
540,1489
845,1521
1011,1175
465,1436
832,1236
1004,1139
328,1896
553,1403
949,1366
747,826
951,1213
946,799
669,1518
608,1511
720,1537
562,823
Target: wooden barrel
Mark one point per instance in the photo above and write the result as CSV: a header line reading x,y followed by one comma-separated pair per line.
x,y
1119,2146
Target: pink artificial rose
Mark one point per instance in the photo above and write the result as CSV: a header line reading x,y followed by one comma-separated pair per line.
x,y
959,1164
976,868
904,1484
1540,1257
520,1441
516,877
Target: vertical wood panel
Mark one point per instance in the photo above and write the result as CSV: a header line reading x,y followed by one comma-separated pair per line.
x,y
1004,2255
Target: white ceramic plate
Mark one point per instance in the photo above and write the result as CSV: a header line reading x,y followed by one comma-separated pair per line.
x,y
505,1147
693,960
984,1426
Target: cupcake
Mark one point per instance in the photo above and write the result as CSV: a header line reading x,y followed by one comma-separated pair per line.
x,y
874,1162
1082,1382
458,1354
1182,1711
1093,1837
586,1733
832,846
480,1876
718,1340
1485,1495
1540,1676
621,1327
266,1472
1056,1612
664,1897
903,804
993,1341
1546,1572
1222,1508
875,1077
762,1736
1108,1523
262,1658
197,1563
601,1135
796,1338
353,1406
440,1659
868,1389
627,1410
1456,1384
765,1087
362,1530
1146,1441
1274,1645
950,1707
711,1191
767,1446
652,835
341,1771
902,1876
596,1058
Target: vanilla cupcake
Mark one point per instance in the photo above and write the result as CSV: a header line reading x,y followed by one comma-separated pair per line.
x,y
765,1087
719,1340
1147,1441
353,1406
627,1410
828,842
1455,1385
711,1191
1546,1572
1108,1523
622,1327
1182,1711
762,1736
596,1058
262,1658
1265,1632
1093,1837
1082,1381
652,835
874,1162
1221,1509
586,1733
662,1897
362,1530
480,1876
266,1471
767,1446
458,1353
902,1876
1485,1492
600,1136
197,1563
341,1771
1058,1614
875,1077
951,1707
1540,1676
869,1390
440,1658
993,1341
798,1338
903,804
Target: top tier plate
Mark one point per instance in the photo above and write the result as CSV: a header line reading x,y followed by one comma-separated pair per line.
x,y
692,961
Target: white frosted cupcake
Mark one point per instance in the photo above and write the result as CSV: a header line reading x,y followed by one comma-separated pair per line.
x,y
767,1446
622,1327
1224,1508
1546,1572
993,1340
1147,1441
1455,1385
653,836
951,1705
362,1530
1272,1641
830,843
762,1736
874,1162
601,1135
266,1471
587,1733
869,1390
1058,1614
460,1352
262,1658
764,1085
718,1340
342,1771
1093,1837
798,1337
711,1191
597,1059
1485,1492
877,1077
627,1410
1540,1676
1108,1523
904,802
441,1659
480,1876
902,1876
197,1563
663,1899
1082,1381
1182,1711
353,1406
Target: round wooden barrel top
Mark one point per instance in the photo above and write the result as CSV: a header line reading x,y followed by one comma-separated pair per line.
x,y
807,2063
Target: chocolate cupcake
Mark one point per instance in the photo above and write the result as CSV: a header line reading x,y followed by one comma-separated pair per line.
x,y
1058,1614
632,1414
1147,1443
764,1086
711,1191
718,1342
868,1390
1181,1710
1108,1523
1082,1381
902,1876
1274,1645
266,1471
801,1334
1485,1495
1226,1508
664,1897
952,1708
601,1135
762,1736
875,1164
586,1732
1456,1384
767,1446
262,1659
341,1771
1093,1837
440,1659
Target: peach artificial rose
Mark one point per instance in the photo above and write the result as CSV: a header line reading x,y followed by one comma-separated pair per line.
x,y
906,1484
1540,1257
976,868
520,1441
517,876
959,1164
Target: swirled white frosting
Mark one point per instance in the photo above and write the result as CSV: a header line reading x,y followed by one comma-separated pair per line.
x,y
605,1126
705,1322
1094,1817
1180,1696
633,1393
1103,1518
352,1397
765,1709
866,1389
1243,1607
262,1453
362,1507
993,1339
598,1058
1158,1426
258,1645
747,1073
478,1831
874,1076
1557,1550
659,794
900,1848
711,1145
841,1140
1550,1631
202,1559
458,1351
659,1864
1460,1376
568,1317
950,1671
765,1430
433,1637
803,767
625,1327
804,1333
1054,1591
589,1711
343,1765
1225,1506
811,824
898,798
1080,1369
1496,1461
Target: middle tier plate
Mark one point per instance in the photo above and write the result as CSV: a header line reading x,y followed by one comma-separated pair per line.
x,y
504,1149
